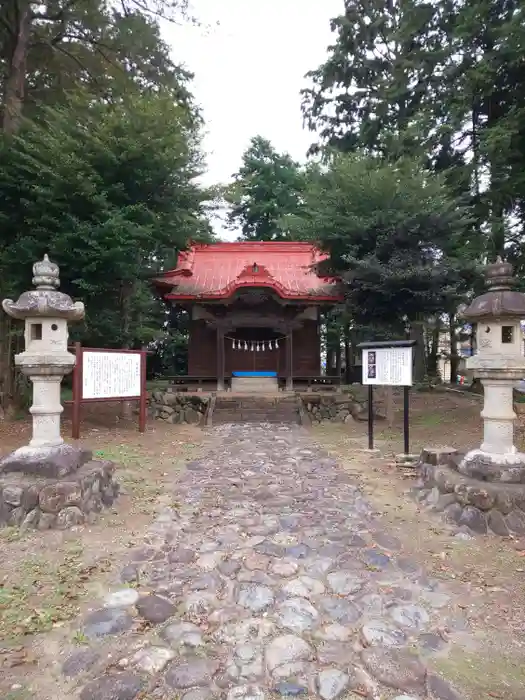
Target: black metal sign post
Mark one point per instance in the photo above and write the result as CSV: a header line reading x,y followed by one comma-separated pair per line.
x,y
384,368
406,419
370,416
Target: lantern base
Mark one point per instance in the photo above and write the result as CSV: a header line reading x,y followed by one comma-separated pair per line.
x,y
29,501
50,462
480,492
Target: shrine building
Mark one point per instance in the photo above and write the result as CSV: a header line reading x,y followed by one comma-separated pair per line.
x,y
255,311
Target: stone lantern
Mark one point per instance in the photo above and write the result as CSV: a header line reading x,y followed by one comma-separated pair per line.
x,y
499,362
484,489
50,483
46,359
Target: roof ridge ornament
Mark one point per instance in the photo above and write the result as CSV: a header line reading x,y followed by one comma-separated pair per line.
x,y
255,270
499,275
186,261
46,274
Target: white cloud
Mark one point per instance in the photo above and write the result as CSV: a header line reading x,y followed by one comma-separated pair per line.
x,y
249,70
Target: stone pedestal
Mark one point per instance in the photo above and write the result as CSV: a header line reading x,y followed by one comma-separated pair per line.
x,y
498,416
30,500
46,410
485,494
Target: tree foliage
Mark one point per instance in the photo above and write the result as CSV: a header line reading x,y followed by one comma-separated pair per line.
x,y
48,49
267,187
387,228
441,81
109,190
99,157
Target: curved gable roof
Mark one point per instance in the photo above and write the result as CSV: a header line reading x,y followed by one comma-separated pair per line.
x,y
216,271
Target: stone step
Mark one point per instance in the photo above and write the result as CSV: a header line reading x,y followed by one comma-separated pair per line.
x,y
254,416
255,384
256,413
263,419
255,409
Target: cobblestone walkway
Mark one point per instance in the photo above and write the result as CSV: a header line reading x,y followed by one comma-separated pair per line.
x,y
269,577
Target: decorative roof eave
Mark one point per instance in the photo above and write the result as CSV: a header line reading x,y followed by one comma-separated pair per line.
x,y
45,301
168,279
312,298
327,296
500,301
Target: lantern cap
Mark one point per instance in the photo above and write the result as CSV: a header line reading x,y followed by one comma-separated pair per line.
x,y
45,301
500,301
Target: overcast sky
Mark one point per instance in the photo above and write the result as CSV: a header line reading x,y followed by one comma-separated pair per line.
x,y
249,65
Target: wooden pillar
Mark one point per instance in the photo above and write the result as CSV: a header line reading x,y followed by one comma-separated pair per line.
x,y
220,358
289,361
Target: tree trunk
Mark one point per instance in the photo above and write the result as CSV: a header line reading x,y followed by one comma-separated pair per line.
x,y
389,406
348,354
454,354
126,292
329,362
7,368
420,365
338,358
434,349
15,82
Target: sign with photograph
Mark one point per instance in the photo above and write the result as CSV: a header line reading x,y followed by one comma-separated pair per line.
x,y
111,375
387,366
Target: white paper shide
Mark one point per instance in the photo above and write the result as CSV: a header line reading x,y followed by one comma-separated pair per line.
x,y
111,375
388,366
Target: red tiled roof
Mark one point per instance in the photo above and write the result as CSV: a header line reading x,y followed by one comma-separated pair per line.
x,y
217,270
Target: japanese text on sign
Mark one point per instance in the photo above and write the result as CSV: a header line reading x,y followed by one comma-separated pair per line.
x,y
388,366
111,375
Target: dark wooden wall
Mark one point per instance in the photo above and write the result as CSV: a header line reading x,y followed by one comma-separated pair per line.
x,y
202,352
306,349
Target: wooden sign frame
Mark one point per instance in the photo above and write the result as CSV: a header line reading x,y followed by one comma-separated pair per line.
x,y
79,400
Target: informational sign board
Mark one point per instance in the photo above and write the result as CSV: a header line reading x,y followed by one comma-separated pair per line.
x,y
111,375
387,366
108,375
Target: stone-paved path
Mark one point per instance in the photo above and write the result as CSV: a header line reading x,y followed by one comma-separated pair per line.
x,y
270,577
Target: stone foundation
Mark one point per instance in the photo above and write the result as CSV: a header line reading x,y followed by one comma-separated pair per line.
x,y
179,407
336,408
474,491
43,502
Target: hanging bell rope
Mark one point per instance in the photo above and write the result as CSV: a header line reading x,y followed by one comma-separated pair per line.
x,y
254,345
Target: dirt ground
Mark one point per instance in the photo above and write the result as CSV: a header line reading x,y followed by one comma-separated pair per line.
x,y
51,576
490,570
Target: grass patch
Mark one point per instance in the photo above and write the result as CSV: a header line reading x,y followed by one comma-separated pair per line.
x,y
494,675
10,534
143,478
429,420
46,593
121,454
17,695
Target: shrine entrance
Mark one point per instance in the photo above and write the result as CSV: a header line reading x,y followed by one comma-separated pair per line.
x,y
259,351
255,310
